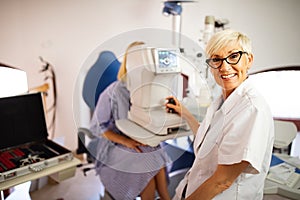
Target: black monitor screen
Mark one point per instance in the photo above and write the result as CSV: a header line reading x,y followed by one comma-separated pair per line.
x,y
22,120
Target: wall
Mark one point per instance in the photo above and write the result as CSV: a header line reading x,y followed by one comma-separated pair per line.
x,y
66,32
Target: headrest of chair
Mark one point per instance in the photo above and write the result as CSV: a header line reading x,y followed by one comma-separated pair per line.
x,y
99,76
285,132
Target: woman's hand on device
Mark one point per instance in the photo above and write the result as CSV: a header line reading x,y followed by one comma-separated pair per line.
x,y
173,105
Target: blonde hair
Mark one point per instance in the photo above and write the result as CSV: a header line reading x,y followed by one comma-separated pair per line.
x,y
122,71
223,38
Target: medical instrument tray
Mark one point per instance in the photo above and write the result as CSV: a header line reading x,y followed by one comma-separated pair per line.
x,y
24,147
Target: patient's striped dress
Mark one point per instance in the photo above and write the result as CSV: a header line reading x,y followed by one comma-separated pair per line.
x,y
123,172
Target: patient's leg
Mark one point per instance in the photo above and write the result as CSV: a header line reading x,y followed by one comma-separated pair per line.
x,y
162,185
149,191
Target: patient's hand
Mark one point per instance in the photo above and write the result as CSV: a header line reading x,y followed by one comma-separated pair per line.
x,y
133,144
123,140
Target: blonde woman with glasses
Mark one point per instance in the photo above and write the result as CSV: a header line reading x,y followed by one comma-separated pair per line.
x,y
233,144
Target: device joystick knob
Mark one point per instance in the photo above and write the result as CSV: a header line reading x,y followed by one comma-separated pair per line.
x,y
171,101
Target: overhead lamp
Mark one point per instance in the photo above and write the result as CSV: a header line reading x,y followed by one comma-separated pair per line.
x,y
172,8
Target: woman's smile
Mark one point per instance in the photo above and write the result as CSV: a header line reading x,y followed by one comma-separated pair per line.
x,y
228,76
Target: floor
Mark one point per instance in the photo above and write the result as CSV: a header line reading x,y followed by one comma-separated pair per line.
x,y
83,187
79,187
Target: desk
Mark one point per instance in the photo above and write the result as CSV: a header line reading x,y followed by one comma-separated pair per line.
x,y
272,187
140,134
59,172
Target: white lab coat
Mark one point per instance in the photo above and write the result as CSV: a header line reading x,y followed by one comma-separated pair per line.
x,y
240,130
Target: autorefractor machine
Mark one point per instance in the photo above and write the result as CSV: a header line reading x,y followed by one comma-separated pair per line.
x,y
152,75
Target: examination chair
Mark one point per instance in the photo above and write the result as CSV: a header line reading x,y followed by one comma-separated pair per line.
x,y
99,76
285,133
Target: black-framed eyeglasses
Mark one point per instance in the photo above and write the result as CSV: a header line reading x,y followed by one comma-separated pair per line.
x,y
232,59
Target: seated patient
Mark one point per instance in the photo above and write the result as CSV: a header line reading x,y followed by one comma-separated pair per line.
x,y
126,167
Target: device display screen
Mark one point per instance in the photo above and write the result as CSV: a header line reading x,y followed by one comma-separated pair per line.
x,y
167,59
